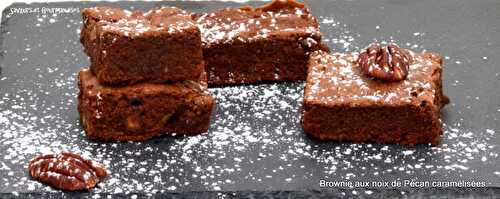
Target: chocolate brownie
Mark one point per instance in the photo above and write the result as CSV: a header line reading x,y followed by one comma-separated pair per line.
x,y
344,104
126,47
142,111
249,45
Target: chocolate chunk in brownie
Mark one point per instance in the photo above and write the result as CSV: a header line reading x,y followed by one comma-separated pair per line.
x,y
248,45
126,47
341,103
142,111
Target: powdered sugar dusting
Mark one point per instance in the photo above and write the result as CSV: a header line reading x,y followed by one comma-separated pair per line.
x,y
335,78
253,125
136,23
234,25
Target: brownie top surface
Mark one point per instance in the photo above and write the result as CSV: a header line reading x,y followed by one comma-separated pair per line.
x,y
89,81
247,24
337,80
136,23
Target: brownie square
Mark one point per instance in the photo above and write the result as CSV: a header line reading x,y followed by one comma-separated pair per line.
x,y
248,45
342,104
144,110
126,47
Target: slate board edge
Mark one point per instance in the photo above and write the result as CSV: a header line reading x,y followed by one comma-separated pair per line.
x,y
486,192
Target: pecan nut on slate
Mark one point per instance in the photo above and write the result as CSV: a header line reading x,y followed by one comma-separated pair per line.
x,y
67,171
390,63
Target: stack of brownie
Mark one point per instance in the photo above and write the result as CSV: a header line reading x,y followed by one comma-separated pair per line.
x,y
146,75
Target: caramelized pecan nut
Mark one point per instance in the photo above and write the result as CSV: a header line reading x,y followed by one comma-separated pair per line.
x,y
67,171
277,5
390,63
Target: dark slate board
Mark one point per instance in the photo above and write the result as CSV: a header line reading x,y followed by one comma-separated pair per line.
x,y
255,147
